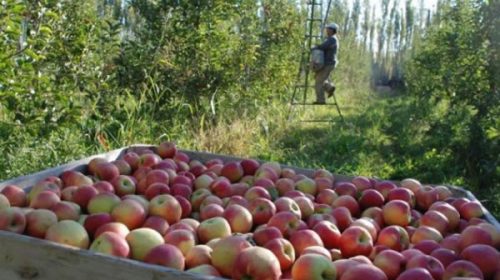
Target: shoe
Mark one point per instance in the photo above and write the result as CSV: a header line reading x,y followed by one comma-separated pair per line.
x,y
319,103
330,91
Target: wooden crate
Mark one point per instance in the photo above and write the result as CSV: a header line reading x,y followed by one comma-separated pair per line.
x,y
24,257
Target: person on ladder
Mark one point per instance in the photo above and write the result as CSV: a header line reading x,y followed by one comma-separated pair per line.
x,y
322,77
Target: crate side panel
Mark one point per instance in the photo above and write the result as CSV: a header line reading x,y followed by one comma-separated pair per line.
x,y
23,257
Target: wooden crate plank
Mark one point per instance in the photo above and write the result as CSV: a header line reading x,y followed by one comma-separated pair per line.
x,y
23,257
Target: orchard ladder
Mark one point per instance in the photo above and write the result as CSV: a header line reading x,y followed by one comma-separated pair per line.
x,y
303,85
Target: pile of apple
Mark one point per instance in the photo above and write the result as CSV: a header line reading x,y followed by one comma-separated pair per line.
x,y
250,220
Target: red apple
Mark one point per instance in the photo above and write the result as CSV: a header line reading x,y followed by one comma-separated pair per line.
x,y
262,210
183,239
239,218
449,211
68,193
123,166
115,227
15,195
415,274
111,243
197,198
167,207
66,210
313,266
283,250
376,214
45,200
462,268
402,194
485,257
302,239
249,166
426,233
38,221
165,255
106,171
210,211
329,233
198,255
142,241
68,232
371,198
157,223
323,183
83,194
75,178
181,190
102,203
284,185
445,256
384,187
233,171
156,189
286,222
225,252
104,187
394,237
390,262
307,185
369,224
130,213
426,196
362,271
148,160
212,228
94,221
362,183
257,191
427,246
264,234
435,219
256,263
431,264
471,209
287,204
452,242
397,212
354,241
345,188
443,192
349,202
166,149
474,235
132,159
221,187
326,196
342,217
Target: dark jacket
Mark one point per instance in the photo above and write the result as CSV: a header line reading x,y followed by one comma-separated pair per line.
x,y
330,46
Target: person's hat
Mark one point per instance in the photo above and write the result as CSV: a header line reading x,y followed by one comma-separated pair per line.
x,y
332,26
